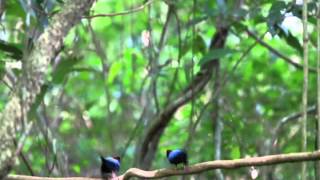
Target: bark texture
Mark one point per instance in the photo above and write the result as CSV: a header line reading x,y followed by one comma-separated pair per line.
x,y
35,67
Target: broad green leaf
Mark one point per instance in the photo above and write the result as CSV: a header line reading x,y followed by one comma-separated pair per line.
x,y
290,39
114,71
63,68
11,49
276,15
14,9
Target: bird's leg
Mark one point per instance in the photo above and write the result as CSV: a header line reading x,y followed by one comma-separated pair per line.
x,y
114,176
179,167
186,168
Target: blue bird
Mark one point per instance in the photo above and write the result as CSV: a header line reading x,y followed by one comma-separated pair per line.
x,y
109,166
177,156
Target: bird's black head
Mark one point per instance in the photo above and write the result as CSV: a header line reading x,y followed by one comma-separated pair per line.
x,y
168,152
101,158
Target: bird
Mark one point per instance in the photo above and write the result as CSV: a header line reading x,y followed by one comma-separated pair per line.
x,y
177,156
109,166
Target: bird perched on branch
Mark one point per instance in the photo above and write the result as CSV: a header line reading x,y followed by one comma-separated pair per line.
x,y
109,167
177,156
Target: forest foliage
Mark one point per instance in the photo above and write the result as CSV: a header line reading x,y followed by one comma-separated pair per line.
x,y
117,73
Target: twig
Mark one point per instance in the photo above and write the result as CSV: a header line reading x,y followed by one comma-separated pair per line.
x,y
156,58
175,76
19,146
134,132
197,168
6,84
291,117
191,133
26,162
285,120
121,13
276,52
23,138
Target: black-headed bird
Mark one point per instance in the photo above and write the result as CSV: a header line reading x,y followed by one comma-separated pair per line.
x,y
177,156
109,167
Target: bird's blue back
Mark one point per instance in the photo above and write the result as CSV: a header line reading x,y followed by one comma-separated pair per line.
x,y
177,156
112,163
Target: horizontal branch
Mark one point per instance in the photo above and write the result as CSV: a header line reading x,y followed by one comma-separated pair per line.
x,y
121,13
198,168
23,177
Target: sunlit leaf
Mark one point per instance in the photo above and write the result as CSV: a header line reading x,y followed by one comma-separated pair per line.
x,y
76,169
290,39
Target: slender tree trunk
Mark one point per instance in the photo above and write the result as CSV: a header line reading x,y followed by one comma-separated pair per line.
x,y
317,163
216,121
305,86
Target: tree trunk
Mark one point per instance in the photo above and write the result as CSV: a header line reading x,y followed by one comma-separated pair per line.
x,y
36,64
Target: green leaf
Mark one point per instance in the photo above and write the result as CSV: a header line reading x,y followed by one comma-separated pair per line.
x,y
290,39
239,27
60,1
114,71
216,54
76,169
199,45
11,49
276,12
276,15
65,126
235,152
296,10
14,9
63,68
